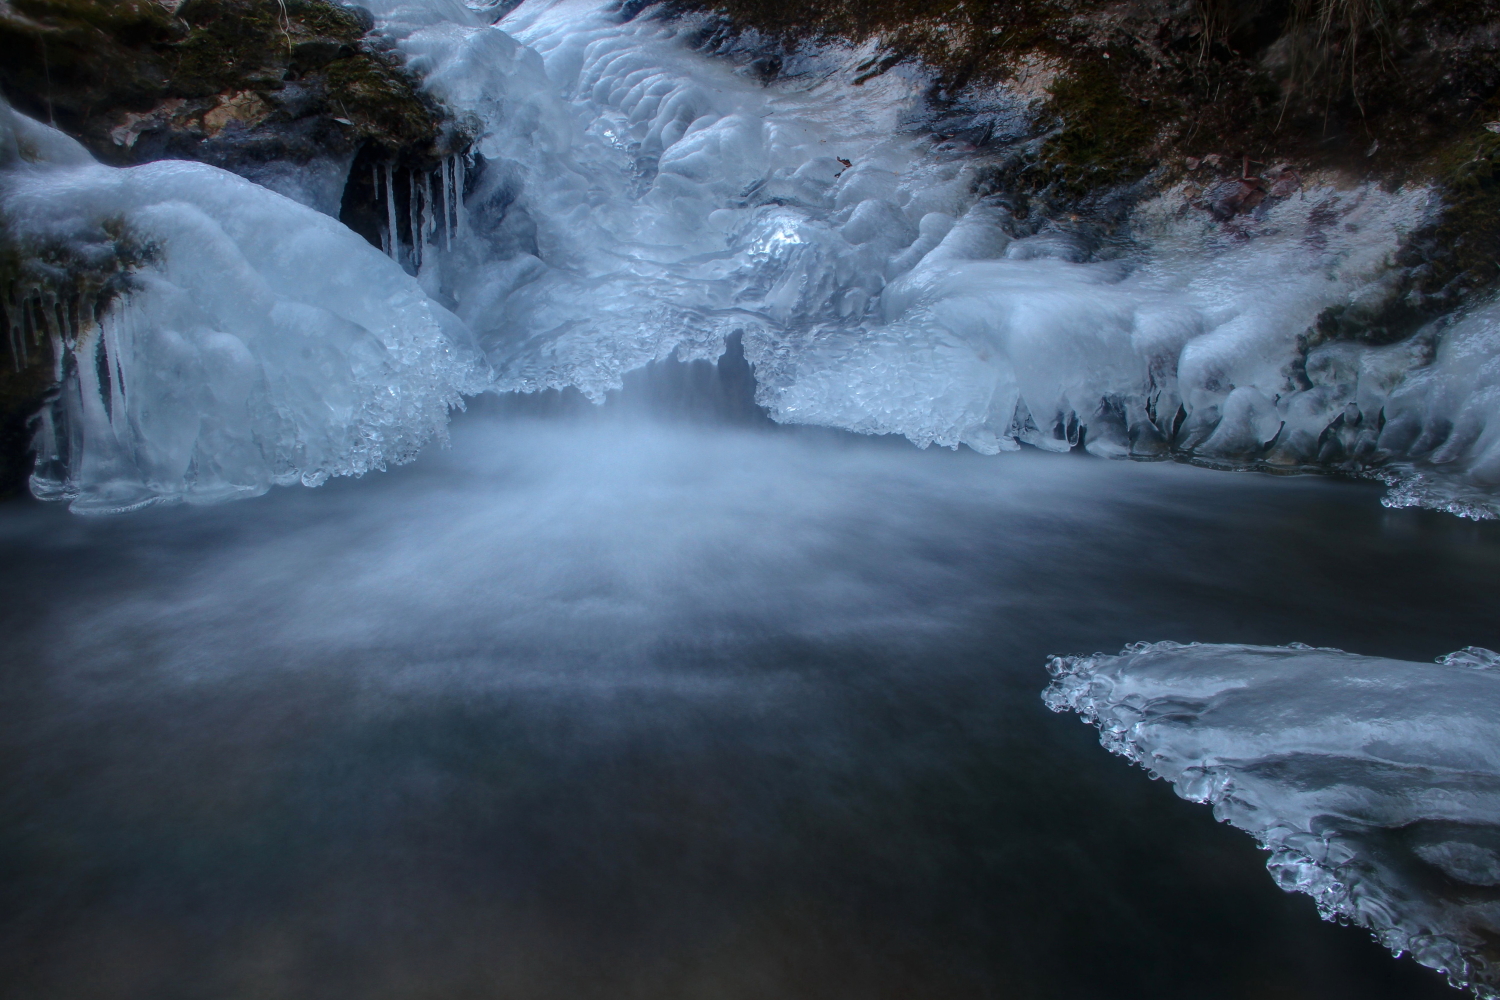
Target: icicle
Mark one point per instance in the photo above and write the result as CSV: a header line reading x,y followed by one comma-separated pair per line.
x,y
429,217
23,320
16,333
447,186
109,326
109,386
44,327
45,443
58,350
414,211
450,209
39,323
390,213
129,341
385,236
443,198
59,314
28,305
91,390
459,215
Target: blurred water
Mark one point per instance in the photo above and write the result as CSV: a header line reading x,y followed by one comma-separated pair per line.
x,y
613,705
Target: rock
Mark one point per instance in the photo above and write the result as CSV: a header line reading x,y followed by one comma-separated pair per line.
x,y
1227,199
243,108
223,81
315,53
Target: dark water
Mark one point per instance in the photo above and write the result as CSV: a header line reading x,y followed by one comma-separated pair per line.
x,y
626,710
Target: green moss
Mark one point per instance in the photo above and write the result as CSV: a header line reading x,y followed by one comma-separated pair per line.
x,y
383,104
249,44
85,63
1105,137
1463,246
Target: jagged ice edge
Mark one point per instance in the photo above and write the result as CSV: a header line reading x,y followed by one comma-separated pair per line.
x,y
1298,862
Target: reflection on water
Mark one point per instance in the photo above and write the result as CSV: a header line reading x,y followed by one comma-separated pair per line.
x,y
583,709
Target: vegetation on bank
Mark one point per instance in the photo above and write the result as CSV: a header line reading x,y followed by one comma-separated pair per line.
x,y
118,74
1364,85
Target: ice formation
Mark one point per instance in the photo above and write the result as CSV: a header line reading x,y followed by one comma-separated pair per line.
x,y
1374,783
630,196
255,340
636,196
1437,415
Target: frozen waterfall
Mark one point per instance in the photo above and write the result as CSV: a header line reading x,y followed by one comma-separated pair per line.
x,y
629,197
640,197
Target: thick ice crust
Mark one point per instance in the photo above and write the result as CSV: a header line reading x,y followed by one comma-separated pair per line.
x,y
630,197
259,341
637,197
1374,783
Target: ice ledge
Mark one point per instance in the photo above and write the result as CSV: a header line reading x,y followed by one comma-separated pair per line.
x,y
1374,783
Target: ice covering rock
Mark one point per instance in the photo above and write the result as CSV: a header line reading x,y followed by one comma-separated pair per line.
x,y
260,342
1442,416
630,197
636,197
1374,783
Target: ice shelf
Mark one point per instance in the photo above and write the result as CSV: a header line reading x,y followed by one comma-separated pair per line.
x,y
1373,783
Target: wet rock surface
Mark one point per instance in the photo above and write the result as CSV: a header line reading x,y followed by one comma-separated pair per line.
x,y
247,85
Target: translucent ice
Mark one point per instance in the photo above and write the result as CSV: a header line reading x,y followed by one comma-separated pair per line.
x,y
1443,418
258,341
630,196
1374,783
637,196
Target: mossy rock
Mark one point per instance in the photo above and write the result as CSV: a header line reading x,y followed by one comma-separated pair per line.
x,y
87,65
1153,80
1104,135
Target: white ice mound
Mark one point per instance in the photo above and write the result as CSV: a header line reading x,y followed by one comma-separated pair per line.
x,y
1443,420
634,196
1374,783
257,342
1190,343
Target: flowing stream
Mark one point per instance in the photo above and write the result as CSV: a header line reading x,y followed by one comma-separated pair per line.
x,y
598,706
706,661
